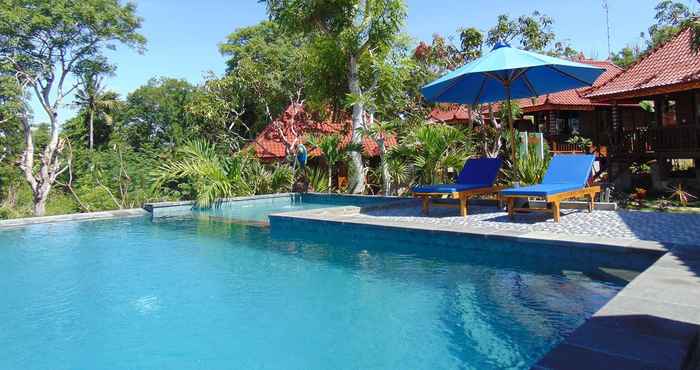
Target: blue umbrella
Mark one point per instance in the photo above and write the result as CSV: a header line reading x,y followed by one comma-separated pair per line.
x,y
508,73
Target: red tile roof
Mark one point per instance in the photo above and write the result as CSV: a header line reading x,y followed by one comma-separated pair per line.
x,y
295,123
450,113
671,67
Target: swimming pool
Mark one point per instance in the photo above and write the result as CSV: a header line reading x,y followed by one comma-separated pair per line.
x,y
202,294
257,209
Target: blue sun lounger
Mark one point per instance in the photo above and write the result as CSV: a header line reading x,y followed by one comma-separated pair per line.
x,y
566,178
477,177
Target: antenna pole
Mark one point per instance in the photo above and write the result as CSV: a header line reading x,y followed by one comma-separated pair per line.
x,y
607,24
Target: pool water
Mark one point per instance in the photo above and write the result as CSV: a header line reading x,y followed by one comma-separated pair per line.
x,y
201,294
258,210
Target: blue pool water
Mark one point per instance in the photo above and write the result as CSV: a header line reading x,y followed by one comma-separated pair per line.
x,y
201,294
258,210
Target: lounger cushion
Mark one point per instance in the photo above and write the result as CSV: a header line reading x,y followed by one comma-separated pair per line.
x,y
448,188
480,171
569,169
541,190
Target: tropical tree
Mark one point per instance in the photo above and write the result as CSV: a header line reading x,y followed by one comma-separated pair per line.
x,y
12,106
215,176
43,43
671,16
157,114
90,96
353,30
434,149
220,110
532,32
332,151
266,70
626,56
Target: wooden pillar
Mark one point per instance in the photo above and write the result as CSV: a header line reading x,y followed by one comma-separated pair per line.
x,y
615,127
659,111
616,124
553,131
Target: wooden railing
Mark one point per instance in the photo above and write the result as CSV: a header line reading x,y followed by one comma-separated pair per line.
x,y
556,146
674,139
680,139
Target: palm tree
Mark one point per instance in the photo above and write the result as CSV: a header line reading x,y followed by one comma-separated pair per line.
x,y
434,148
330,147
92,99
215,176
379,133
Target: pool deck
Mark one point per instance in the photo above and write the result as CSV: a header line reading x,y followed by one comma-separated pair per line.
x,y
653,323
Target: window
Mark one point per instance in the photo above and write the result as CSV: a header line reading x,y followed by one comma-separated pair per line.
x,y
681,167
669,113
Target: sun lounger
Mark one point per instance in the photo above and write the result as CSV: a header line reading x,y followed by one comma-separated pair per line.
x,y
566,178
476,178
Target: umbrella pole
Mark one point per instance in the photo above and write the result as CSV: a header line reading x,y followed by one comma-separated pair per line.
x,y
512,134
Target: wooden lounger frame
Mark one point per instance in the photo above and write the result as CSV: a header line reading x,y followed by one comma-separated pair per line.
x,y
462,196
555,201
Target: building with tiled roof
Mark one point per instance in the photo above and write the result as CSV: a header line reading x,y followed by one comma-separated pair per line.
x,y
559,115
295,124
453,114
672,67
566,113
668,78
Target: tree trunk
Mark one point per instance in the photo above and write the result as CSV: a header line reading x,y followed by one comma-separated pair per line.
x,y
40,199
386,176
330,178
356,183
42,181
92,129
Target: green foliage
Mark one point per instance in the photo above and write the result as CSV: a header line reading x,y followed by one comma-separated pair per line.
x,y
156,113
533,32
91,97
332,151
671,17
432,149
647,105
318,179
472,41
532,167
640,168
266,69
583,143
627,56
214,176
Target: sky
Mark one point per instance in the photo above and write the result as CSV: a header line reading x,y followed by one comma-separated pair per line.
x,y
183,35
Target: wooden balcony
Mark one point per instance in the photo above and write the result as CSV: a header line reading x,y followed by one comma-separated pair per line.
x,y
679,142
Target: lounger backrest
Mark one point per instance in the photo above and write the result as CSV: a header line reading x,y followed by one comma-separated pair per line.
x,y
569,169
480,171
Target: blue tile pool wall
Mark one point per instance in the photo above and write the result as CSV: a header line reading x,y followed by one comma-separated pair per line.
x,y
439,244
180,209
344,199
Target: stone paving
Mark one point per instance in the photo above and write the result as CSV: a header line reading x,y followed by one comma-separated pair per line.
x,y
672,228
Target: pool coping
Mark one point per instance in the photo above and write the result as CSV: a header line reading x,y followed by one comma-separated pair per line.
x,y
651,323
102,215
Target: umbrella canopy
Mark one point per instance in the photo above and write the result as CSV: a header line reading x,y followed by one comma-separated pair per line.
x,y
508,73
525,73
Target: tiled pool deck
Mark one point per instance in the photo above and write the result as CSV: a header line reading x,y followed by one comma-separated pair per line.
x,y
653,323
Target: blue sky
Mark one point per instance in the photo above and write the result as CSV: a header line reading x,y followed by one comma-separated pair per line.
x,y
183,35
